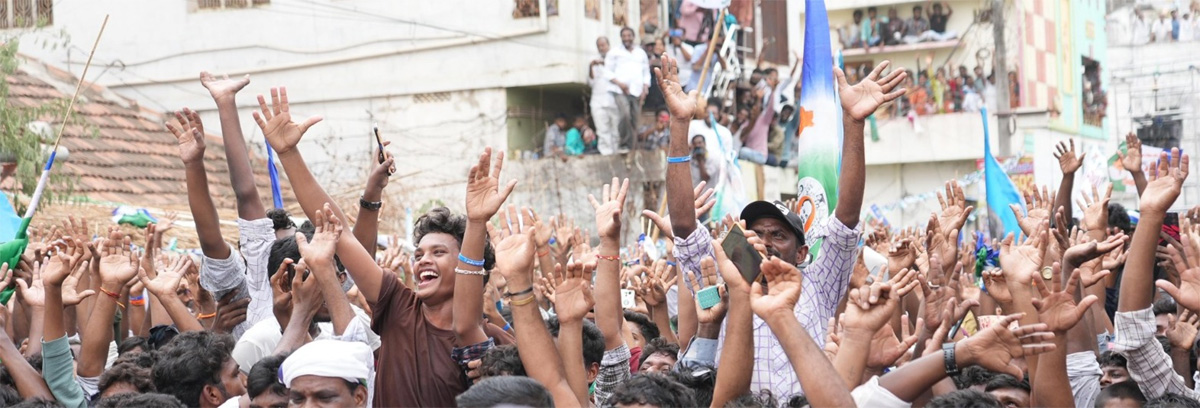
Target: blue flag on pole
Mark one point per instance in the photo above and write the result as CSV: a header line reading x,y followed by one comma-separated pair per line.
x,y
1000,190
275,193
819,143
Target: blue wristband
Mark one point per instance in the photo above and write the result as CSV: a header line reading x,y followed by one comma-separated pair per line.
x,y
669,263
551,241
506,327
469,261
681,159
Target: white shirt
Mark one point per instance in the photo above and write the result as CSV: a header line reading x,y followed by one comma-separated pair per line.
x,y
1162,30
1141,31
599,80
245,271
685,67
260,341
1187,29
631,68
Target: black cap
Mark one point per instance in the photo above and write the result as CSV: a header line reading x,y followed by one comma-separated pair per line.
x,y
776,210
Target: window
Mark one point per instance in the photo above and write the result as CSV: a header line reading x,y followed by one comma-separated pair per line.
x,y
229,4
1095,99
26,13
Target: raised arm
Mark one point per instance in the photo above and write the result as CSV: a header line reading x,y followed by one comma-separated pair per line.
x,y
1137,288
306,297
283,134
609,316
737,354
858,102
540,358
1060,313
163,286
1069,163
118,265
189,132
868,310
572,302
776,305
485,196
28,381
318,254
366,227
1131,160
241,175
683,107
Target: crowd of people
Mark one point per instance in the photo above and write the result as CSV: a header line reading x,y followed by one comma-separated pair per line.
x,y
498,306
878,31
1163,27
938,91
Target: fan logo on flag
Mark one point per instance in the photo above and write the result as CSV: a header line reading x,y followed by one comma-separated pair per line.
x,y
811,203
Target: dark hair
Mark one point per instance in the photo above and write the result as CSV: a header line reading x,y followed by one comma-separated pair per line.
x,y
658,346
284,248
593,340
501,361
764,398
858,13
560,115
701,379
770,71
917,8
1005,381
38,402
512,391
964,399
441,220
1118,217
971,376
715,101
647,327
130,399
652,389
191,361
1122,390
144,359
307,228
128,373
133,342
1172,400
35,361
1110,359
627,28
1164,305
9,396
871,9
662,110
264,377
280,219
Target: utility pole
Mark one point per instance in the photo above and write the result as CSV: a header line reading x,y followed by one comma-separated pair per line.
x,y
1000,70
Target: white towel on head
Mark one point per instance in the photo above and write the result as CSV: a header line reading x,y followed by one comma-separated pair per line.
x,y
350,361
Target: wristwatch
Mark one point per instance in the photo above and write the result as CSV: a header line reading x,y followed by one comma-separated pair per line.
x,y
948,354
370,205
1047,273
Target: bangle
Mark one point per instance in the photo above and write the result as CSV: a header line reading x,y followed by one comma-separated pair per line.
x,y
507,327
680,159
511,294
541,254
135,298
138,302
670,263
110,294
203,316
948,354
613,258
463,258
523,302
462,271
120,305
369,205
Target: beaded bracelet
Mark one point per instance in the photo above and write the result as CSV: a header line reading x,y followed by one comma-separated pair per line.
x,y
613,258
462,271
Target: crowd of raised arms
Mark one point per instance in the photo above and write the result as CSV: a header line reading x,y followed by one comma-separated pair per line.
x,y
501,306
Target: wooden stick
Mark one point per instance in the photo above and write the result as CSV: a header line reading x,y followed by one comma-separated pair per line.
x,y
720,23
62,127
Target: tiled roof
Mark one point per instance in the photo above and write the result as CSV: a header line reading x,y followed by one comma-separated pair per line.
x,y
131,158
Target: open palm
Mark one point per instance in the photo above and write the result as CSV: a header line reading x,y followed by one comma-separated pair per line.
x,y
573,296
682,105
223,87
783,289
1021,261
276,122
189,133
608,211
484,196
1058,310
1131,160
862,99
1068,162
1166,182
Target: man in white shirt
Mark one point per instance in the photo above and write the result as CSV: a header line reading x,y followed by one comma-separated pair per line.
x,y
681,51
1162,29
603,103
631,75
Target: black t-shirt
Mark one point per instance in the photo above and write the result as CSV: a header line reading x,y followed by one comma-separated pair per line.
x,y
937,23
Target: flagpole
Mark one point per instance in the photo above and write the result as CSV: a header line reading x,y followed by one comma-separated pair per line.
x,y
712,43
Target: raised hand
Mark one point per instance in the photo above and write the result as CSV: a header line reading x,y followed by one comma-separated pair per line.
x,y
379,177
276,122
608,210
514,256
1131,160
708,277
1165,182
484,195
230,313
862,99
660,279
306,292
164,285
902,255
1095,213
33,293
573,295
70,286
542,231
1187,293
321,249
118,263
189,132
1058,310
1085,251
222,88
1020,262
996,347
1068,162
954,210
1038,209
886,348
1182,333
683,106
783,290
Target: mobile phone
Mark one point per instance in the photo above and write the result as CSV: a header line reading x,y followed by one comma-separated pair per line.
x,y
708,297
627,301
1170,226
379,141
954,329
742,254
676,32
